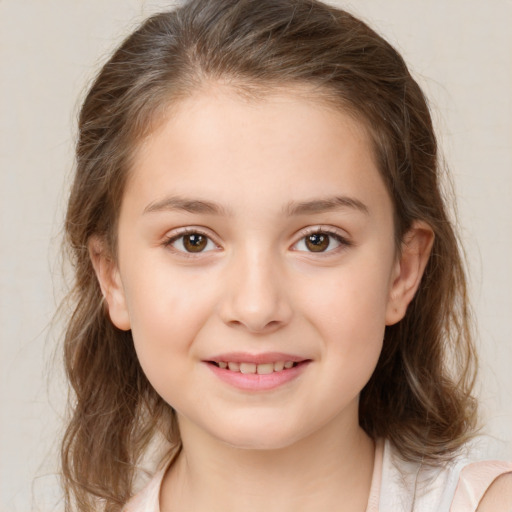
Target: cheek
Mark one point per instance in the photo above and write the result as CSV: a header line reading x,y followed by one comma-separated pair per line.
x,y
355,336
348,312
161,298
353,344
166,311
350,301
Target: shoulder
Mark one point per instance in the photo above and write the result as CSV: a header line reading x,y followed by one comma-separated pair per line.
x,y
484,486
456,486
498,496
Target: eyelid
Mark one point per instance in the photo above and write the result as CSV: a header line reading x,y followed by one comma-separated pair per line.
x,y
170,238
327,230
178,233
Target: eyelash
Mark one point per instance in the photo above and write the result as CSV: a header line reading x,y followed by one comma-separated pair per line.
x,y
309,232
321,230
183,233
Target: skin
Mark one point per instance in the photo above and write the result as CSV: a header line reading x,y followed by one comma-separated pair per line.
x,y
499,496
258,287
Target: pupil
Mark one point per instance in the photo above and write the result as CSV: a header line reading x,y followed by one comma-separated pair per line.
x,y
317,242
195,243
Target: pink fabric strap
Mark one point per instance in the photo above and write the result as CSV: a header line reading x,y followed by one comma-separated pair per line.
x,y
474,481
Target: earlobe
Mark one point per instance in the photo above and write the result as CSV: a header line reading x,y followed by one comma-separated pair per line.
x,y
109,279
410,265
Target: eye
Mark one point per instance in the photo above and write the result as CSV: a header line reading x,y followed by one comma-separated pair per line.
x,y
191,242
320,240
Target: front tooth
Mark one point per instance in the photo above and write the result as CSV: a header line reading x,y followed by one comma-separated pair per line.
x,y
222,364
265,369
247,368
288,364
234,367
278,366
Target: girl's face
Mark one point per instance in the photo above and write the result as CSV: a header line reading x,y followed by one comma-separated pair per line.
x,y
258,235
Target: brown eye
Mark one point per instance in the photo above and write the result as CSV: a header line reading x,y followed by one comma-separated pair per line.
x,y
317,242
321,241
194,242
191,242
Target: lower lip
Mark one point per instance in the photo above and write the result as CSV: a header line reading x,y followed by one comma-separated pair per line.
x,y
256,382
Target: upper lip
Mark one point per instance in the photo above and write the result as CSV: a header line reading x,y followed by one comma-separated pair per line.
x,y
266,357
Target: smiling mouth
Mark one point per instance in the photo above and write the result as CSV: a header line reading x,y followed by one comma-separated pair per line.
x,y
253,368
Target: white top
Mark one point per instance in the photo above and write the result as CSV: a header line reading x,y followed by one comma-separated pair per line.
x,y
397,485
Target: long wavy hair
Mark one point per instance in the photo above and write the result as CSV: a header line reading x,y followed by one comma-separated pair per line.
x,y
419,396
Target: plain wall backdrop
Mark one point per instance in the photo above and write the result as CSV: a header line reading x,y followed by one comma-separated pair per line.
x,y
459,50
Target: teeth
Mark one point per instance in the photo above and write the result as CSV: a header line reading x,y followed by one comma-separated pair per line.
x,y
265,369
247,368
278,367
260,369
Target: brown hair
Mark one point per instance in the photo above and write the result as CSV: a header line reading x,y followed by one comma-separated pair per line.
x,y
419,396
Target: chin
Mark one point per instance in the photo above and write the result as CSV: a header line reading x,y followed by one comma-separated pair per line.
x,y
259,437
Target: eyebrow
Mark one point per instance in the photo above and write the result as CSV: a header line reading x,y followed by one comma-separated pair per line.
x,y
328,204
187,204
313,206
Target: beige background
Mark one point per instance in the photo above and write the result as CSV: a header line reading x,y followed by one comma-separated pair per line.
x,y
461,52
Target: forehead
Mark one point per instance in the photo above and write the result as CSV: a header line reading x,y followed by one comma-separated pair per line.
x,y
218,142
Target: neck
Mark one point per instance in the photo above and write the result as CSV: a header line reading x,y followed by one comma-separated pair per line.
x,y
328,470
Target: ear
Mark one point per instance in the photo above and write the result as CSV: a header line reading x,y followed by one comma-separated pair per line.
x,y
409,267
110,283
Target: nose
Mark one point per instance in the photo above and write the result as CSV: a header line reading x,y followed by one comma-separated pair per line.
x,y
255,295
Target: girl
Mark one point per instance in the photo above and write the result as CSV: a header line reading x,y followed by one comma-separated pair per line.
x,y
266,276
